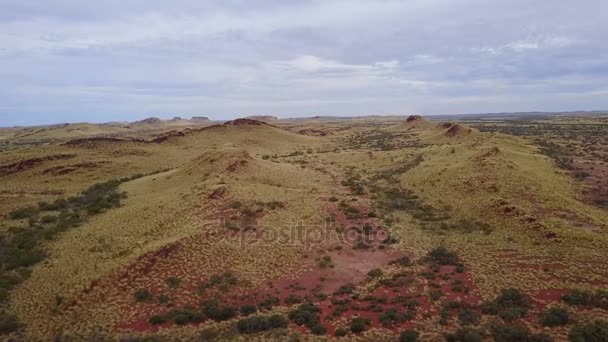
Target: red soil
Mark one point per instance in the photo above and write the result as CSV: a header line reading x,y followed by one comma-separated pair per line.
x,y
24,165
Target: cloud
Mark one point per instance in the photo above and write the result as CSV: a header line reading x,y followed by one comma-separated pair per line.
x,y
62,58
313,64
529,44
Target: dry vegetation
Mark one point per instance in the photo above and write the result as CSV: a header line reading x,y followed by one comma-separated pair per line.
x,y
374,229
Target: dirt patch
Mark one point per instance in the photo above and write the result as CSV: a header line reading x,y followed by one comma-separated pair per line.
x,y
24,165
97,141
64,170
312,132
218,193
456,130
237,165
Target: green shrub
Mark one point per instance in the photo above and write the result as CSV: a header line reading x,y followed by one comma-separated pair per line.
x,y
292,299
341,332
443,256
23,213
468,316
348,288
375,273
409,336
173,282
268,303
359,324
157,320
597,299
435,294
212,309
519,332
142,295
555,317
318,329
464,335
510,305
187,316
306,314
404,261
592,332
248,309
254,324
47,219
8,323
392,316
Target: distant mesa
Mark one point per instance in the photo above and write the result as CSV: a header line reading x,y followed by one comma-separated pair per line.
x,y
148,121
262,117
199,119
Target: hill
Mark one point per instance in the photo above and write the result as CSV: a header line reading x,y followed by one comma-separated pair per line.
x,y
215,231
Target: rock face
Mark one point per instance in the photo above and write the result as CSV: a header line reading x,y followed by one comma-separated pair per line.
x,y
413,118
244,122
457,130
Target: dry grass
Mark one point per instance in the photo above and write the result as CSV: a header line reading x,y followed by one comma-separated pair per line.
x,y
531,208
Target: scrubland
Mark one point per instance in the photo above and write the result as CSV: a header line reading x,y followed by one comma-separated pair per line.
x,y
371,229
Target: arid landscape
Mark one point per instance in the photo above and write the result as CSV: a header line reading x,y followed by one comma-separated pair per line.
x,y
372,228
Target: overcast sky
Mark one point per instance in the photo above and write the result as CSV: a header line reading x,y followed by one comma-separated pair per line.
x,y
73,60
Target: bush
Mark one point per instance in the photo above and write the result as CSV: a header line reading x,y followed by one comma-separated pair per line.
x,y
256,324
8,323
348,288
306,314
593,332
375,273
182,319
436,294
409,336
391,316
598,299
555,317
23,213
292,299
359,324
248,309
318,329
157,320
47,219
268,303
404,261
216,312
142,295
519,332
443,256
173,282
464,335
510,305
341,332
468,316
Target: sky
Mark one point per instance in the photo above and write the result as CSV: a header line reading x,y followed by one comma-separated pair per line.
x,y
120,60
